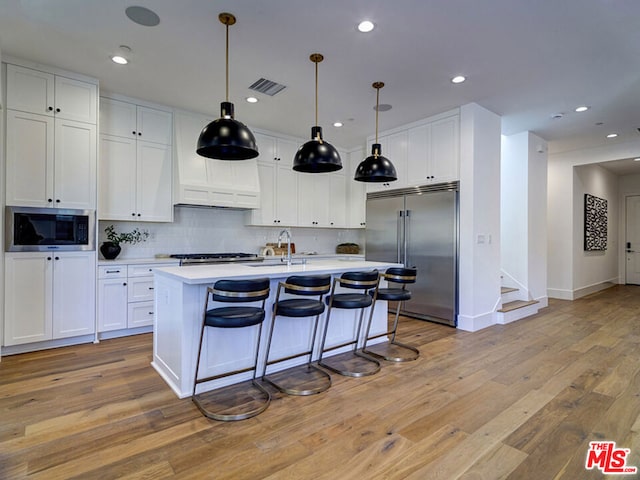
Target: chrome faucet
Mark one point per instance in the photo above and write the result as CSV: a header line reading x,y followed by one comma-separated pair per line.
x,y
286,232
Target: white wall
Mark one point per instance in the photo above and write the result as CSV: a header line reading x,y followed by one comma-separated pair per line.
x,y
537,219
627,185
592,270
479,268
208,230
564,219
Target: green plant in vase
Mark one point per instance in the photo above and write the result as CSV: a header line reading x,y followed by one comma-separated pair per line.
x,y
111,248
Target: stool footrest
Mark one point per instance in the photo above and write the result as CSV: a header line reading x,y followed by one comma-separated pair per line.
x,y
371,367
228,417
290,357
302,385
395,357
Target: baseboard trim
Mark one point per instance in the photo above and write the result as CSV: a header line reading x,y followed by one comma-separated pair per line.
x,y
473,324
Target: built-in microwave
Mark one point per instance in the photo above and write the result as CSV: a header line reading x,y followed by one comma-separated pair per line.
x,y
30,229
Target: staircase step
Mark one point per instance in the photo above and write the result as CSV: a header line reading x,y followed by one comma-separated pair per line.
x,y
508,307
507,289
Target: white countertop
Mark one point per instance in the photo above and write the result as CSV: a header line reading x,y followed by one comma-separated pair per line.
x,y
138,261
199,274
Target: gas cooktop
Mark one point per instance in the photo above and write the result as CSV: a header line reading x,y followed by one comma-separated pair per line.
x,y
204,258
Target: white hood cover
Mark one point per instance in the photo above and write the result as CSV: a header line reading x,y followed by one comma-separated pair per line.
x,y
206,182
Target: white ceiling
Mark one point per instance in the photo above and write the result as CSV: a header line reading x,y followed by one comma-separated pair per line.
x,y
525,60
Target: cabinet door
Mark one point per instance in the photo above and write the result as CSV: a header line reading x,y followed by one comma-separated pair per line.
x,y
357,193
286,195
337,201
30,90
28,298
140,289
154,125
30,153
75,100
117,179
118,118
75,165
153,197
74,294
394,147
419,169
140,314
112,304
445,144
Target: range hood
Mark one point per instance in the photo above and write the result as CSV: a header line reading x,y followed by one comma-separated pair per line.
x,y
201,181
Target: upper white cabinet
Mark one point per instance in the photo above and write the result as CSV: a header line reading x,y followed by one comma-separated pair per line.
x,y
135,172
433,152
44,93
206,181
278,182
51,162
357,193
394,147
423,152
128,120
48,296
51,141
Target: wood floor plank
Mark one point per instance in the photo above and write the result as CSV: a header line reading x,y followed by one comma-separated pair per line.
x,y
515,401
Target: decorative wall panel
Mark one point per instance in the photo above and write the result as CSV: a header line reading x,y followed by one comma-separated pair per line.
x,y
595,223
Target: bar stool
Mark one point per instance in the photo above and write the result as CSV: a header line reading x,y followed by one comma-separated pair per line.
x,y
401,276
315,380
363,281
234,291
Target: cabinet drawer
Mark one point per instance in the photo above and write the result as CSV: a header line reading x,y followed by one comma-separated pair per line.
x,y
140,289
146,269
140,314
112,271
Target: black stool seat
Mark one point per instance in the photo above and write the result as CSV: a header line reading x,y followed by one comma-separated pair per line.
x,y
395,351
312,379
358,365
234,317
393,294
350,300
300,307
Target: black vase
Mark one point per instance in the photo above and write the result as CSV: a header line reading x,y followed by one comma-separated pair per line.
x,y
110,250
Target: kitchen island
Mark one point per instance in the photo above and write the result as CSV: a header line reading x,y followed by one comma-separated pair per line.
x,y
179,301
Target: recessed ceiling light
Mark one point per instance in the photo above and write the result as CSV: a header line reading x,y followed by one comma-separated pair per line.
x,y
252,99
366,26
612,135
337,124
557,116
582,108
636,159
119,60
458,79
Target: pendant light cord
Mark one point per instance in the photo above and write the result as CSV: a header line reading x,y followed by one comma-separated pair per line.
x,y
227,62
316,93
377,105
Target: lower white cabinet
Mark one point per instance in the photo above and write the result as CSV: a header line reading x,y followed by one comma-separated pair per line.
x,y
125,296
48,296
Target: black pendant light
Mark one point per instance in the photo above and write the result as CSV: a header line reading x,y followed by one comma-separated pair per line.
x,y
376,168
226,138
316,155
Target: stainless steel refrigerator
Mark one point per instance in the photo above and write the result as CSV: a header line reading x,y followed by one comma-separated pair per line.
x,y
418,227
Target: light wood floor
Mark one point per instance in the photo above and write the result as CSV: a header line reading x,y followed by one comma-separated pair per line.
x,y
520,401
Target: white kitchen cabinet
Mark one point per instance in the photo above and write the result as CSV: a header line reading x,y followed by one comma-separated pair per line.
x,y
48,296
394,147
135,180
278,182
43,93
433,152
125,296
322,200
50,162
128,120
338,200
356,192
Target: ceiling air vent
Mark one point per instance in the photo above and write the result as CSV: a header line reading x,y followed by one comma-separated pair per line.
x,y
267,87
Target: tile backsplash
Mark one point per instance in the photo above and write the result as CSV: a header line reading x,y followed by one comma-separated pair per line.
x,y
206,230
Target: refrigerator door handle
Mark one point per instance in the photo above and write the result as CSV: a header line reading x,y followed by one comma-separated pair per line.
x,y
407,225
399,237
